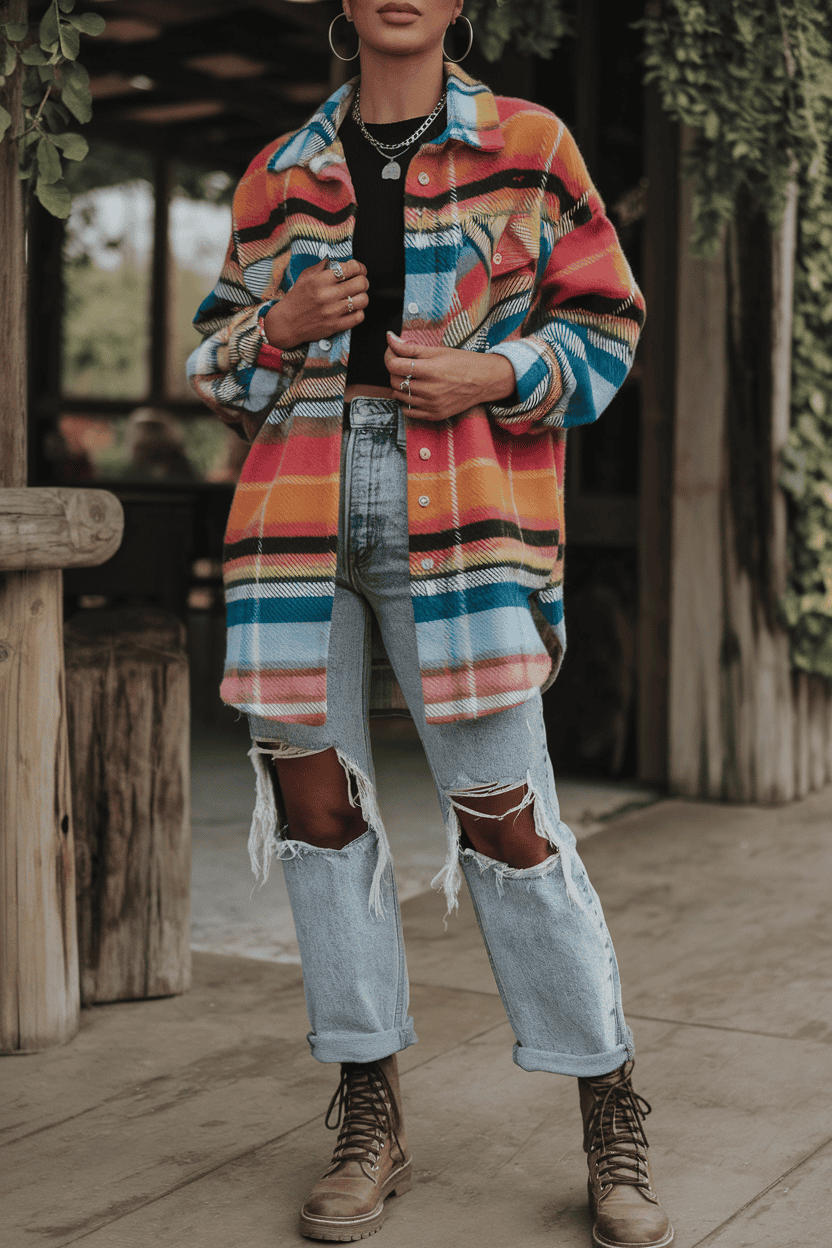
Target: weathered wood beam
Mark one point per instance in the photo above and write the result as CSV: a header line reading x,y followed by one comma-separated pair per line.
x,y
160,279
53,527
12,284
658,354
743,725
697,653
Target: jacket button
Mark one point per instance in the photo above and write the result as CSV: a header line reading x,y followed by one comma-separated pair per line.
x,y
413,308
424,500
498,259
423,179
324,344
427,564
424,453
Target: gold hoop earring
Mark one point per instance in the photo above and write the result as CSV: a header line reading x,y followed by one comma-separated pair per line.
x,y
456,60
332,45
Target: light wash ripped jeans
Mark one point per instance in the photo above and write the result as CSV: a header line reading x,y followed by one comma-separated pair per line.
x,y
543,927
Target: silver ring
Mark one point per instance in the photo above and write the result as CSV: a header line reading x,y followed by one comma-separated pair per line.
x,y
349,303
405,385
340,275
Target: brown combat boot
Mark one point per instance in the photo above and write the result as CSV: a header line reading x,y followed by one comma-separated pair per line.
x,y
371,1159
625,1209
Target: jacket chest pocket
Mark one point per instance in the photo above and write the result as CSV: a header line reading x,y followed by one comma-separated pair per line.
x,y
496,262
495,247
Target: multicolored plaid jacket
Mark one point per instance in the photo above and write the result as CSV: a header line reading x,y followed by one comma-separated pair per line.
x,y
507,249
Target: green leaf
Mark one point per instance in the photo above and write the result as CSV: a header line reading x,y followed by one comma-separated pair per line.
x,y
55,198
49,162
46,73
9,59
34,56
77,74
55,115
89,23
70,41
78,100
74,146
48,32
16,31
5,120
66,6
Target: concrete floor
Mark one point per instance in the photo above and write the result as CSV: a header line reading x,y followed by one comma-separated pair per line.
x,y
196,1122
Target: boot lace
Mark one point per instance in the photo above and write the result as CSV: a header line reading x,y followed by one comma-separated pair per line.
x,y
614,1132
363,1110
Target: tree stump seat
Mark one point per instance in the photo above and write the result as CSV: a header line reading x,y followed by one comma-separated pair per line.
x,y
129,749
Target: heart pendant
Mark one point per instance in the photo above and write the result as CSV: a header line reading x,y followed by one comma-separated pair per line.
x,y
391,172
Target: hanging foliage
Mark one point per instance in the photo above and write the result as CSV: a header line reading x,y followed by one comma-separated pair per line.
x,y
754,82
535,27
56,92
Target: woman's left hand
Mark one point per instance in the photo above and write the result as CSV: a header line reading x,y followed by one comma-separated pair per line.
x,y
443,380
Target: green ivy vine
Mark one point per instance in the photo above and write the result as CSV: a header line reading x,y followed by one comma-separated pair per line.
x,y
535,27
56,90
754,83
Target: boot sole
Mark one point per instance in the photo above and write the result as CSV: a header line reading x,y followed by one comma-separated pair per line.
x,y
348,1230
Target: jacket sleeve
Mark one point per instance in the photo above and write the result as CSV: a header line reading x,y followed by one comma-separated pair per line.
x,y
235,370
577,343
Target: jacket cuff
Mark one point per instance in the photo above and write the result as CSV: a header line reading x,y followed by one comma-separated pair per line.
x,y
533,377
270,356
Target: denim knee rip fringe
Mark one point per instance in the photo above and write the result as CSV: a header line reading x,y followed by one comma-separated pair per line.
x,y
269,838
450,877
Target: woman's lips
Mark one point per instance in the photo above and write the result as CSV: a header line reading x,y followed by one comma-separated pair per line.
x,y
399,14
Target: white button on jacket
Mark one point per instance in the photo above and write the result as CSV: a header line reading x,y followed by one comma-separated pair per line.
x,y
424,500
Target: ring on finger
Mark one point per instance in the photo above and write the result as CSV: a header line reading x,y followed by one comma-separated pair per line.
x,y
340,275
350,305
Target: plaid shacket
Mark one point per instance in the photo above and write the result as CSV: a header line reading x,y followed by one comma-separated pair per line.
x,y
507,249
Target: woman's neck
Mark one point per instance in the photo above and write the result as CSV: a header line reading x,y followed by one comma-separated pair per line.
x,y
394,90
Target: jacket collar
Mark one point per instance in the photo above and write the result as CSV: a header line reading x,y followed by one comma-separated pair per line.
x,y
472,118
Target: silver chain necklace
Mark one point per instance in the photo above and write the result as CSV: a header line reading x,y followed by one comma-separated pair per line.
x,y
393,170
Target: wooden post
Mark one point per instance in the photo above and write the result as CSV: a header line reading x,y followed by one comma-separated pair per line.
x,y
160,280
658,359
12,282
39,997
695,731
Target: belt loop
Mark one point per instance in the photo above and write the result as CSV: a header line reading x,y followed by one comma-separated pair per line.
x,y
401,435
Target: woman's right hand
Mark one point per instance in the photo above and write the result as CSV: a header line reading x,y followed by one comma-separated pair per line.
x,y
316,306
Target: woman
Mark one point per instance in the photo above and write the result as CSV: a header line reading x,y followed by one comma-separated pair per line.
x,y
406,392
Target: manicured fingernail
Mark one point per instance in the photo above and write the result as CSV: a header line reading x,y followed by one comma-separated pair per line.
x,y
390,334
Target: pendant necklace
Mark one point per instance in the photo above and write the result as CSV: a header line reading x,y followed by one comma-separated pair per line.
x,y
392,171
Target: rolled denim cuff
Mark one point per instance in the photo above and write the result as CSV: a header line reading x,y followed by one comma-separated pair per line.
x,y
589,1066
348,1046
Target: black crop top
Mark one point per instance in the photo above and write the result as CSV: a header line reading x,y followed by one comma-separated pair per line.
x,y
379,238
